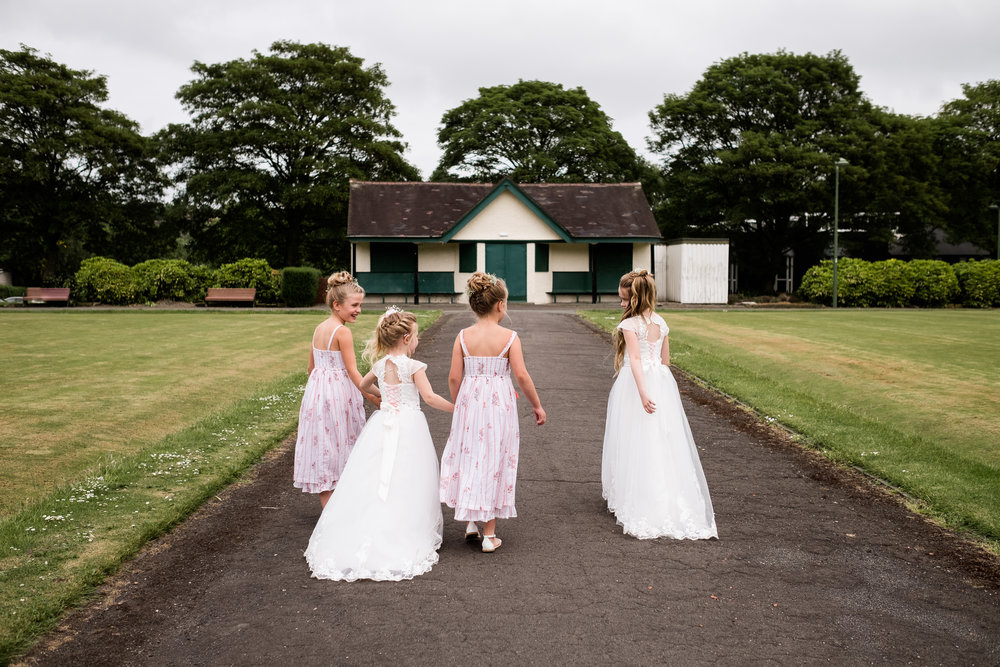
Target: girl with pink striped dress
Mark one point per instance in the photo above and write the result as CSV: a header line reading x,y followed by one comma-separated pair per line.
x,y
332,413
479,464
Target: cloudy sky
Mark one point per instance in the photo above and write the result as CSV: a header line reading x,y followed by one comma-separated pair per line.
x,y
912,55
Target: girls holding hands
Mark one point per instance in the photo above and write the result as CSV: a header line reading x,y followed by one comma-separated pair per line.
x,y
332,413
384,520
651,474
479,464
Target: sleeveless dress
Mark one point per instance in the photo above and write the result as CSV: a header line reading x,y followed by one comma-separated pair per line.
x,y
331,416
479,463
384,521
651,474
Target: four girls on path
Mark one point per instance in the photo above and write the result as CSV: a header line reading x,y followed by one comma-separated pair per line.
x,y
384,520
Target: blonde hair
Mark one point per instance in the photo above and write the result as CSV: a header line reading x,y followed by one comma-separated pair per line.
x,y
485,291
392,327
339,286
642,299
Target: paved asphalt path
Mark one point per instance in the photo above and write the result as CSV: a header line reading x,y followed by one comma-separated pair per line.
x,y
813,565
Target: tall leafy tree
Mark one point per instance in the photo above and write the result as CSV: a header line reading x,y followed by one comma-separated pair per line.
x,y
533,132
749,154
273,141
75,179
968,142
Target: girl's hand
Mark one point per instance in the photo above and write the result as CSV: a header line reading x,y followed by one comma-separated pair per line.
x,y
539,416
648,404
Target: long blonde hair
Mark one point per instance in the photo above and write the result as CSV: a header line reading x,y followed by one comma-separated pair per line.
x,y
391,328
339,285
642,299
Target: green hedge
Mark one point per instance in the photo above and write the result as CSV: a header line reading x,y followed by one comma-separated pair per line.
x,y
103,280
256,273
173,279
10,290
895,284
979,282
299,285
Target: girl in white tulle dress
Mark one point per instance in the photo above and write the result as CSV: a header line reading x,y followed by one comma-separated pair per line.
x,y
651,474
332,413
384,520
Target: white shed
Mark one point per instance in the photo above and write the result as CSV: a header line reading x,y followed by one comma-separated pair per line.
x,y
693,270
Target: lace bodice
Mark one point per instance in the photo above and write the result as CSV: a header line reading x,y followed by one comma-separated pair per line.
x,y
395,381
651,333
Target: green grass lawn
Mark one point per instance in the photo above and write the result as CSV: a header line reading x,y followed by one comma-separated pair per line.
x,y
117,424
912,396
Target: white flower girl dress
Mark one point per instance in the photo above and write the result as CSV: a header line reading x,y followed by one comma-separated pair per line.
x,y
651,474
384,520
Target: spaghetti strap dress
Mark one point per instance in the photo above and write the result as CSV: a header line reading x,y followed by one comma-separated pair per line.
x,y
331,416
479,463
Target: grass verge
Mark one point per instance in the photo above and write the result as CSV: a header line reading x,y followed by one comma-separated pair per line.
x,y
60,543
910,396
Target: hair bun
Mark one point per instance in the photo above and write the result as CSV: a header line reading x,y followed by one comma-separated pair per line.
x,y
480,281
339,278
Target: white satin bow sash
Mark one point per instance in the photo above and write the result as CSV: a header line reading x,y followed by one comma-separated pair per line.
x,y
390,442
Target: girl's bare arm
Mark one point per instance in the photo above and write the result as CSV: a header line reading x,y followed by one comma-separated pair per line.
x,y
635,362
457,368
427,393
345,341
520,373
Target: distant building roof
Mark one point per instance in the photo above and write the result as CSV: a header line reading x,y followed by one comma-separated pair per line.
x,y
418,210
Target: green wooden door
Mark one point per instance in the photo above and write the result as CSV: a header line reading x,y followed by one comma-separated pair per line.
x,y
510,262
611,261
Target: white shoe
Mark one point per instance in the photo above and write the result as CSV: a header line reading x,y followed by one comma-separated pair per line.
x,y
491,543
472,532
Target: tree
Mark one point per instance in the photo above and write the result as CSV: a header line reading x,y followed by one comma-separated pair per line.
x,y
273,141
749,153
533,132
968,141
75,179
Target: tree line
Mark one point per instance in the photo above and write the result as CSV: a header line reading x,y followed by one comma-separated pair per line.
x,y
262,167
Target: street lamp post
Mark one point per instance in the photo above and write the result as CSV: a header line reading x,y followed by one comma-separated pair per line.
x,y
836,222
997,209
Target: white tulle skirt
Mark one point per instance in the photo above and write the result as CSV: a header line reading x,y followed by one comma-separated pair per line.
x,y
360,534
651,474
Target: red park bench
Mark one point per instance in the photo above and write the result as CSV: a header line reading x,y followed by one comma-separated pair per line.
x,y
230,295
46,295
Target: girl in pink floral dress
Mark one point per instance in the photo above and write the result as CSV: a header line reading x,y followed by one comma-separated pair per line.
x,y
479,464
332,412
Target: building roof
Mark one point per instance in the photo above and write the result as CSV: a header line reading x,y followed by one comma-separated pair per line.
x,y
417,210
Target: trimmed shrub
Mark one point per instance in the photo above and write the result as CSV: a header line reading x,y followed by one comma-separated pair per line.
x,y
171,279
817,283
256,273
299,285
104,280
10,290
979,282
934,283
889,284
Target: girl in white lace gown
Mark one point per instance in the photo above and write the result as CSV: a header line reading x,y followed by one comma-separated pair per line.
x,y
651,474
384,520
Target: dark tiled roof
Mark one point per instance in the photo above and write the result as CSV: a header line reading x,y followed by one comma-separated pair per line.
x,y
429,210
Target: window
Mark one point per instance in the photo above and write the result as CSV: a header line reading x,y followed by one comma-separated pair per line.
x,y
467,257
541,257
394,257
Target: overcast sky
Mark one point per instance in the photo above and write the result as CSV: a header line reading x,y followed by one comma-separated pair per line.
x,y
912,55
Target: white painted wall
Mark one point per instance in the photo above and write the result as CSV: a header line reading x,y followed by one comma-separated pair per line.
x,y
363,257
697,271
569,257
437,257
506,218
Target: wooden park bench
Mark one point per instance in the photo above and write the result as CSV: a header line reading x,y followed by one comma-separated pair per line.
x,y
46,295
230,295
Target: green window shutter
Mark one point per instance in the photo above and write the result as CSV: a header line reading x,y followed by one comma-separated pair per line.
x,y
541,257
467,257
393,257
